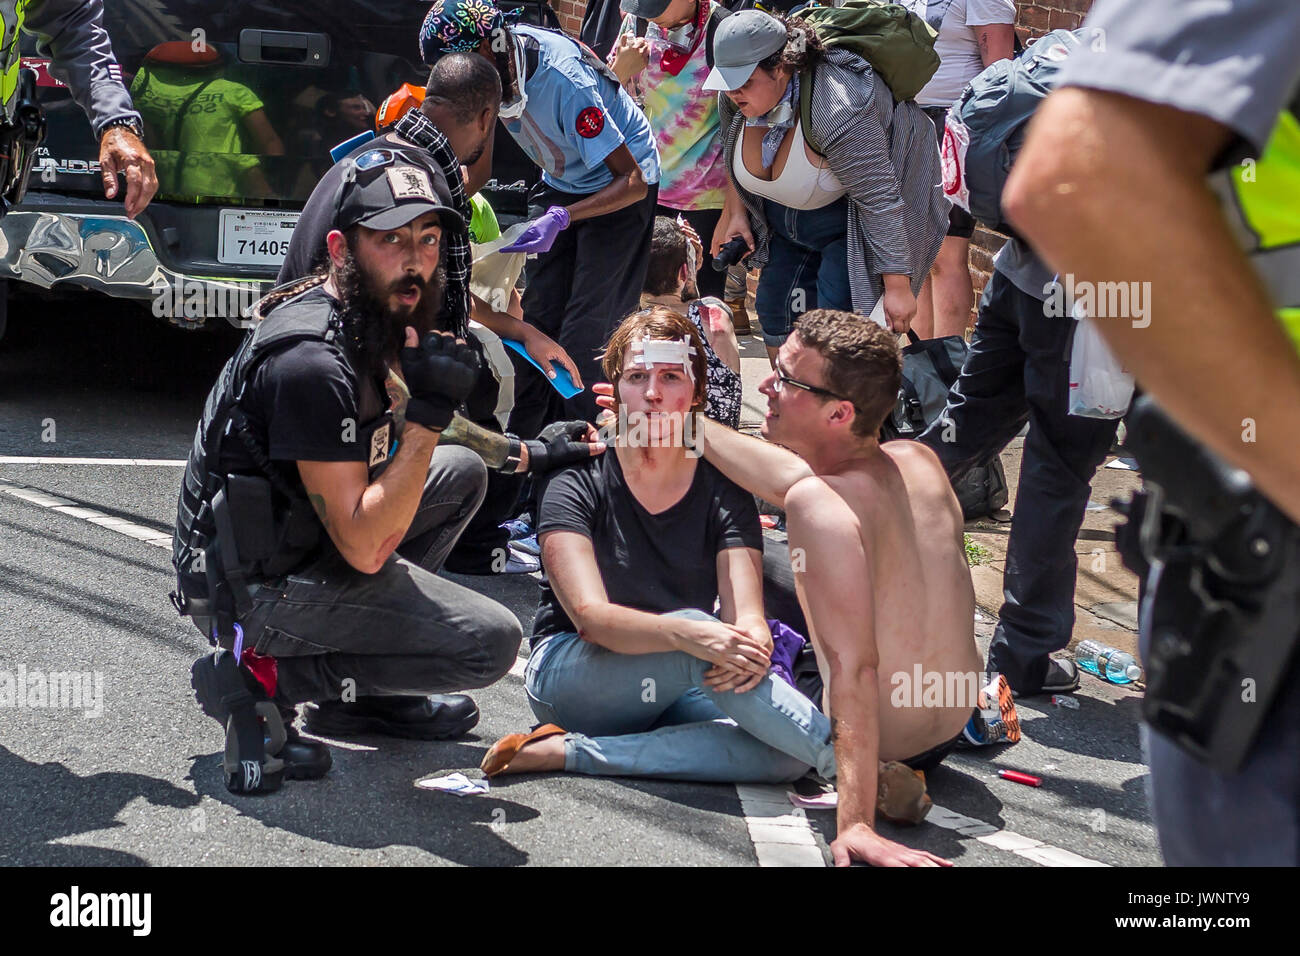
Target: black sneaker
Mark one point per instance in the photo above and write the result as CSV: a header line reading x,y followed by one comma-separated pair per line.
x,y
1062,678
435,717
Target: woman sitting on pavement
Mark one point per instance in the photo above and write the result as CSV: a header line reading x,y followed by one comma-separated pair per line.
x,y
638,545
859,224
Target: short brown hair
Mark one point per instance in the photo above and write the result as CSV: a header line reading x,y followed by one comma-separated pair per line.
x,y
863,363
668,244
660,322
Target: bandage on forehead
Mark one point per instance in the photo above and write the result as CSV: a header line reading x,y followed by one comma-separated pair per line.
x,y
649,352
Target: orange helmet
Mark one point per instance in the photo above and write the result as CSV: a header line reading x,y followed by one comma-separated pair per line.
x,y
408,96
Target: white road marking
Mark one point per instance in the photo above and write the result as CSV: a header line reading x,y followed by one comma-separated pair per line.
x,y
159,539
781,833
148,462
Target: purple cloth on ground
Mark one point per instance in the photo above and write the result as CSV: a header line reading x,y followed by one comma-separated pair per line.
x,y
786,645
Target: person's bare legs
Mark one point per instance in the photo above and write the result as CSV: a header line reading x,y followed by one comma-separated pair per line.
x,y
951,289
923,321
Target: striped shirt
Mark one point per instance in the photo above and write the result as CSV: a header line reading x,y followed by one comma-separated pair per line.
x,y
885,155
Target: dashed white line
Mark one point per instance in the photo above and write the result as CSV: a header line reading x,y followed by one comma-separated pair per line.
x,y
146,462
159,539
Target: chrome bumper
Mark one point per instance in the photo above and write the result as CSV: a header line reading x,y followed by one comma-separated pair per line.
x,y
113,255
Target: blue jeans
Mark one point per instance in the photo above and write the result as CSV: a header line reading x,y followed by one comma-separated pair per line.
x,y
807,266
649,715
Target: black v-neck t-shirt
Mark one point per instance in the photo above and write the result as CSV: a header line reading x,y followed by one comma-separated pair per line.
x,y
651,562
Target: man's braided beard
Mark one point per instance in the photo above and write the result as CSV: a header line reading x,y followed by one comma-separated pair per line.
x,y
374,332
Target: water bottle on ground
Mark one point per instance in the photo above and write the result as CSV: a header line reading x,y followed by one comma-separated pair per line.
x,y
1111,665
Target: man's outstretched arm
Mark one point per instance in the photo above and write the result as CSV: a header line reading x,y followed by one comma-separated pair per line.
x,y
1112,189
758,466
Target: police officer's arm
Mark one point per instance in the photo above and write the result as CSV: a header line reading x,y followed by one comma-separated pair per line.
x,y
1112,188
71,33
627,187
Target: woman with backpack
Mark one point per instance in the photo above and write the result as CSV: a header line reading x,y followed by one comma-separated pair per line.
x,y
839,197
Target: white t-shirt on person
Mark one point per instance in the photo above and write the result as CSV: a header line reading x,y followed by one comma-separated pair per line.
x,y
958,42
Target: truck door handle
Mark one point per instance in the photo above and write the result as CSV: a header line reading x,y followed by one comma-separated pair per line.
x,y
278,46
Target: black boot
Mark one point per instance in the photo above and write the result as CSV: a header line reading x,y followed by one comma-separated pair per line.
x,y
284,755
436,717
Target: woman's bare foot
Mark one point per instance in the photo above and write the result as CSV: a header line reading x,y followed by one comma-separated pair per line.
x,y
539,756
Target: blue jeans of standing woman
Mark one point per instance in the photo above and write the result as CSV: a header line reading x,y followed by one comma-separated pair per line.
x,y
650,715
807,266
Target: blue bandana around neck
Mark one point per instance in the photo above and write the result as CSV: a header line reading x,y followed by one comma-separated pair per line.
x,y
778,119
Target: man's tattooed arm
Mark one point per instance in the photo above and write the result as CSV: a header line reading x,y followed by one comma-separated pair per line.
x,y
492,447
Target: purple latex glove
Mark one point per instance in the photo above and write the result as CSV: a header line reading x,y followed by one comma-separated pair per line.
x,y
541,232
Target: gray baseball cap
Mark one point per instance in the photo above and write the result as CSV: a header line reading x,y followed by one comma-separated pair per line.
x,y
741,41
646,9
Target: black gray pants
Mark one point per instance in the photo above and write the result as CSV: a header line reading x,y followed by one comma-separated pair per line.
x,y
336,632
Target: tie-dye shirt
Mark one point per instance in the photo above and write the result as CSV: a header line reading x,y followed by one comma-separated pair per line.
x,y
685,123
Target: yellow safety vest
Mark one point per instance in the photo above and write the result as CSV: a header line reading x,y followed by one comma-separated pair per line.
x,y
1262,200
12,13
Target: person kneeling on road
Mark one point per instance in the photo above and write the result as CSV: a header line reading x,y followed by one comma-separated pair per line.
x,y
356,618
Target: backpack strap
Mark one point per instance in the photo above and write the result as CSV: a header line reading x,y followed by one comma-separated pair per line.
x,y
719,14
805,111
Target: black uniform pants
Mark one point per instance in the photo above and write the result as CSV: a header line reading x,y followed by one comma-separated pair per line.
x,y
578,293
1017,371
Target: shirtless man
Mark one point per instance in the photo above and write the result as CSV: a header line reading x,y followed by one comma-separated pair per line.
x,y
876,545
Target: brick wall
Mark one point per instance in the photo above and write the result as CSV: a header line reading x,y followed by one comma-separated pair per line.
x,y
570,13
1033,20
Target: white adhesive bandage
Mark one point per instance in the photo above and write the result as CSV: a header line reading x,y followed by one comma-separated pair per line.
x,y
649,352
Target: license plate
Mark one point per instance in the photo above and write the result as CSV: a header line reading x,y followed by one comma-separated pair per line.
x,y
254,237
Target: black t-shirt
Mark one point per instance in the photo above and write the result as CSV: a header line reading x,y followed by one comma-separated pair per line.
x,y
306,403
655,563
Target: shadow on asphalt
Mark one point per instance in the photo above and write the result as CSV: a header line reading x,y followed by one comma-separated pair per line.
x,y
368,801
50,802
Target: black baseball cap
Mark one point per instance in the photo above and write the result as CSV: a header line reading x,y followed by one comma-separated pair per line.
x,y
386,188
646,9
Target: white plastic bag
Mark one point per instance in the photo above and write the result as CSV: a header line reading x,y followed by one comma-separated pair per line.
x,y
1099,385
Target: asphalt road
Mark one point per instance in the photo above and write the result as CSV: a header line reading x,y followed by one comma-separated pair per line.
x,y
139,784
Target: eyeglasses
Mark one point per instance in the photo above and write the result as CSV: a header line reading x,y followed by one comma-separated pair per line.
x,y
783,380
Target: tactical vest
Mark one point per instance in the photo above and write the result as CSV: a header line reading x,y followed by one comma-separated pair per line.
x,y
234,530
12,14
1261,199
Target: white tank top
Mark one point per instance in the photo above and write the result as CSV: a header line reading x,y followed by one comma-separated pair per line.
x,y
801,185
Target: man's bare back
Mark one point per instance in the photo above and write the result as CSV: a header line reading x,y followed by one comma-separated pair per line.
x,y
899,514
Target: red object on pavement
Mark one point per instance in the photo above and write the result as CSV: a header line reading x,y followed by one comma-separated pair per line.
x,y
1028,779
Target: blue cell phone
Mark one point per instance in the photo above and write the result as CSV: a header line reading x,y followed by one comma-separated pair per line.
x,y
563,381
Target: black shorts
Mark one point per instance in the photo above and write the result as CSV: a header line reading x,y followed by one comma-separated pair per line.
x,y
960,222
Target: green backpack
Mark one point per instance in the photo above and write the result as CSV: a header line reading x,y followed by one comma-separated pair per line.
x,y
897,43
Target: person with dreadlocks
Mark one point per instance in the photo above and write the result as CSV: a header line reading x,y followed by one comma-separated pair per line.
x,y
348,608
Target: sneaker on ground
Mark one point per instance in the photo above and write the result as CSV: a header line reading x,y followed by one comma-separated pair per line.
x,y
528,545
517,528
520,562
1062,677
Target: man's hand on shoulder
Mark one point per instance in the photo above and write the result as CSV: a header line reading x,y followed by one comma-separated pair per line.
x,y
862,843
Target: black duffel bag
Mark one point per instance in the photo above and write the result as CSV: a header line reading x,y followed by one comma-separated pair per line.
x,y
930,367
